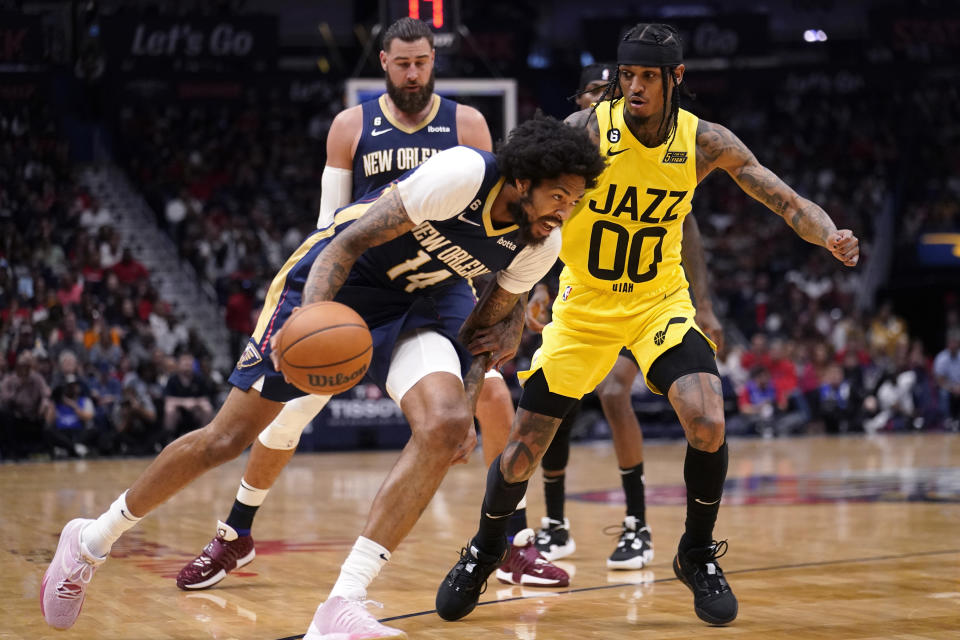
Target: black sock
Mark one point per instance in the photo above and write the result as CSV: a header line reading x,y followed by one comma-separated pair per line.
x,y
241,517
633,488
516,523
500,500
554,494
703,473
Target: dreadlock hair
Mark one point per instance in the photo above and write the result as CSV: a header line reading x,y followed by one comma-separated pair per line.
x,y
543,148
653,45
408,30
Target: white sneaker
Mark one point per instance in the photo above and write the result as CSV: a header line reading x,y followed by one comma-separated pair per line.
x,y
65,583
554,540
342,619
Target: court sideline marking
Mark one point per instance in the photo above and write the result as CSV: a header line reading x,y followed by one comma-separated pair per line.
x,y
618,585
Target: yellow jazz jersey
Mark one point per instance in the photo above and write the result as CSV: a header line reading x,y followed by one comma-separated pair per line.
x,y
624,236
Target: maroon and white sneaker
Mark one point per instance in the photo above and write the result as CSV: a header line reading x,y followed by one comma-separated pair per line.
x,y
223,554
65,583
526,566
342,619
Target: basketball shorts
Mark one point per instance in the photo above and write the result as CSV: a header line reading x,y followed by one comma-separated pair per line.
x,y
388,313
590,327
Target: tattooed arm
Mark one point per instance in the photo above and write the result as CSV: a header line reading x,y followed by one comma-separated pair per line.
x,y
496,304
587,119
385,220
718,147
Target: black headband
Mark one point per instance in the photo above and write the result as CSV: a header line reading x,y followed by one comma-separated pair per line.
x,y
649,54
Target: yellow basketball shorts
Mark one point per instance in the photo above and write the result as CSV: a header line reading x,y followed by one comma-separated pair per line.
x,y
590,327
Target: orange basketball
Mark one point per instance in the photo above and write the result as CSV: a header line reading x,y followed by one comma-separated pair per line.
x,y
324,348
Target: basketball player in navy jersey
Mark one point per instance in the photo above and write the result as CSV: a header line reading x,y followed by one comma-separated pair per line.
x,y
401,257
368,146
634,548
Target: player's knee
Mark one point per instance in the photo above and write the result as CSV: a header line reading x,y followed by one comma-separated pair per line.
x,y
613,392
446,427
706,432
494,394
221,445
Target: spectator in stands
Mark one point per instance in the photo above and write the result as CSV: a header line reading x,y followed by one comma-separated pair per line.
x,y
134,421
70,290
24,408
70,431
888,332
187,403
832,407
94,215
68,337
110,249
758,401
105,353
946,368
129,271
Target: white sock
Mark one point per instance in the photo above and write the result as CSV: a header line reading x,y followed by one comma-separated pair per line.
x,y
250,495
99,535
523,503
359,569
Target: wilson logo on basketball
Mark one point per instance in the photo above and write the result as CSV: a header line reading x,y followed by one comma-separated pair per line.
x,y
322,382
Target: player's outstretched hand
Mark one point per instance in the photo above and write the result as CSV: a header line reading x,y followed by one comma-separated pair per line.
x,y
845,247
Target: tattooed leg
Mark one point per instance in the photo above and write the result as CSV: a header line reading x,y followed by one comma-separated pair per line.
x,y
507,476
528,441
698,401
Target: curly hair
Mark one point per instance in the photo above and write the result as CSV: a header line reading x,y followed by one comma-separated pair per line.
x,y
543,148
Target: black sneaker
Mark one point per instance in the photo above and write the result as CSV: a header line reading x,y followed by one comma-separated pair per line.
x,y
713,599
554,540
634,548
460,590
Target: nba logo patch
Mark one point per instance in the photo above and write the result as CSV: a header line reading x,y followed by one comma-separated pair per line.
x,y
250,356
566,293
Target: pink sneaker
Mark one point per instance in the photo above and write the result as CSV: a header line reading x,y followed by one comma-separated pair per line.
x,y
342,619
67,577
226,552
526,566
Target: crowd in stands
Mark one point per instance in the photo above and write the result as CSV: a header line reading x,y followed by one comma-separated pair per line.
x,y
93,362
238,187
87,350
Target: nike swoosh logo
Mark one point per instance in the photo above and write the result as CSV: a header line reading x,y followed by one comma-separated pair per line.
x,y
467,220
376,133
204,574
706,503
385,558
611,152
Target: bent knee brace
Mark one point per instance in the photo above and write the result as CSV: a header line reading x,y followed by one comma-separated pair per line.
x,y
284,432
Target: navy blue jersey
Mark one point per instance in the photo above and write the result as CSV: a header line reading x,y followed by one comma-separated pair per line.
x,y
436,253
417,280
387,149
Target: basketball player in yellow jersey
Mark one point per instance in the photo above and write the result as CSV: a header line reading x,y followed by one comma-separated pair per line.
x,y
623,287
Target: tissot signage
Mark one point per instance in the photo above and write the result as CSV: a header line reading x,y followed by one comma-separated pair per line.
x,y
191,43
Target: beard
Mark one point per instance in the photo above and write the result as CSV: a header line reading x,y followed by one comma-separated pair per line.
x,y
522,220
406,101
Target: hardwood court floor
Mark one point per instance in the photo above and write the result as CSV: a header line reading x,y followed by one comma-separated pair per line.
x,y
829,538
